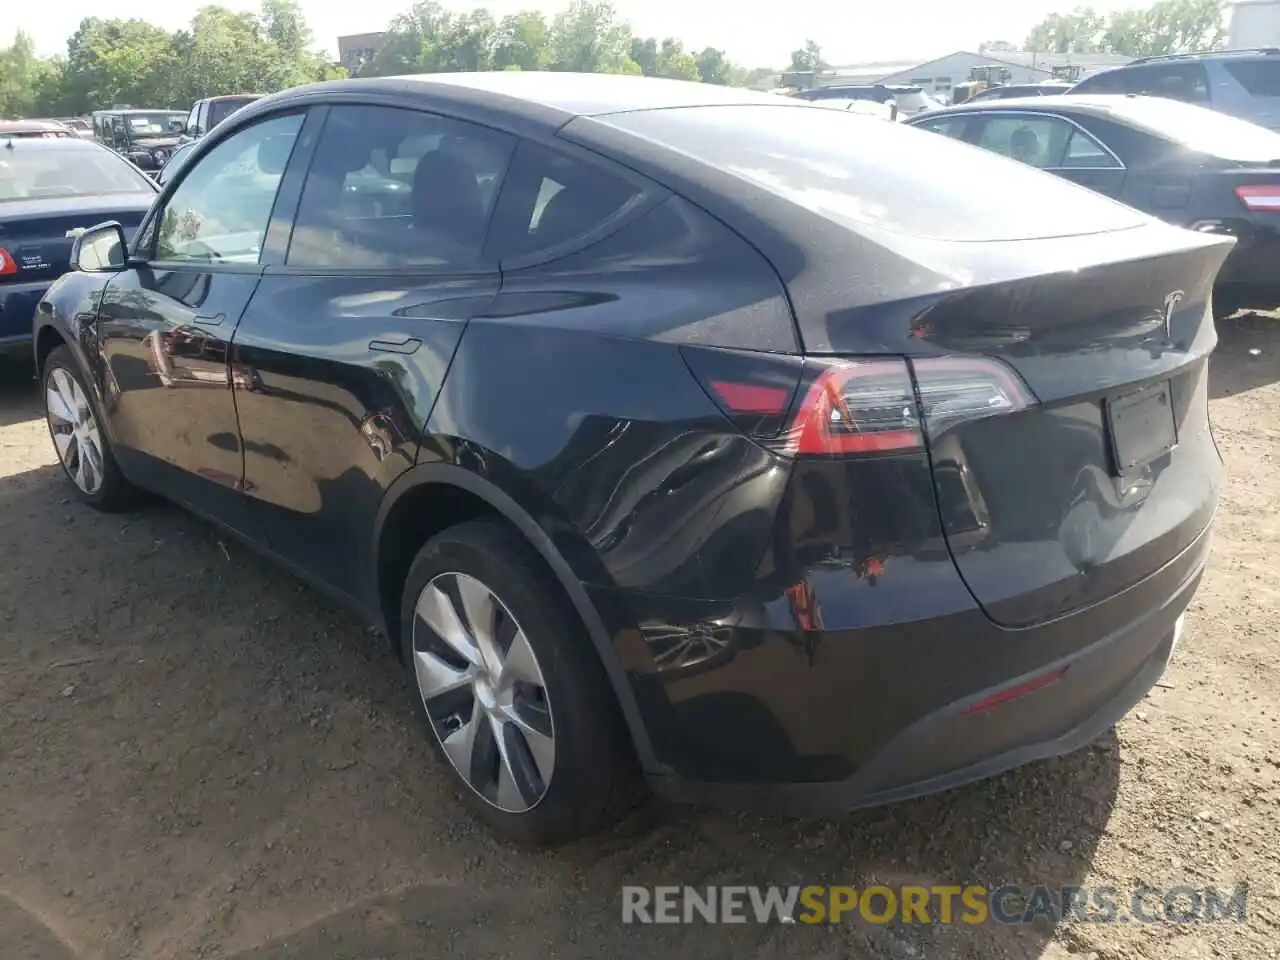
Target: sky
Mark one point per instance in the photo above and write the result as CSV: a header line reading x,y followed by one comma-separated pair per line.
x,y
755,33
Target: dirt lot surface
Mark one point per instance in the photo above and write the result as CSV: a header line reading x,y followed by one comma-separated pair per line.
x,y
202,759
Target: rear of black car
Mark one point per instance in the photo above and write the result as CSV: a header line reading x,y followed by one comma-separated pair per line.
x,y
1219,174
1001,472
50,190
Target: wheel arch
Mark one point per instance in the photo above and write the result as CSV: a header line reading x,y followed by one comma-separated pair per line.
x,y
473,496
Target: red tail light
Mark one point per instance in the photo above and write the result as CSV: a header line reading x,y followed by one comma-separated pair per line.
x,y
1260,198
821,407
8,266
869,406
860,406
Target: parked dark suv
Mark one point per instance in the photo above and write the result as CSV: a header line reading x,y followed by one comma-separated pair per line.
x,y
145,137
1243,83
208,113
668,428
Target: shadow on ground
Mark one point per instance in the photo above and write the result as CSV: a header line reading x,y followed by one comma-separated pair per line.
x,y
1248,355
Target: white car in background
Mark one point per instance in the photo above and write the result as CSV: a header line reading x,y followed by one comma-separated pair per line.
x,y
884,111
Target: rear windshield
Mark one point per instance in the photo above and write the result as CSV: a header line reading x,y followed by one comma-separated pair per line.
x,y
154,124
866,173
49,174
1201,129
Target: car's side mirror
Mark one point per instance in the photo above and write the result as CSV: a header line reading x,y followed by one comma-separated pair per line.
x,y
100,249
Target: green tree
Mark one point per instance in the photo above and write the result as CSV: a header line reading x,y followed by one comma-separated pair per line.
x,y
808,59
714,67
1079,31
674,63
644,51
286,27
18,77
1170,26
523,40
588,38
120,61
413,43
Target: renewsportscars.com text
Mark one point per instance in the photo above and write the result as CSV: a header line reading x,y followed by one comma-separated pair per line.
x,y
973,904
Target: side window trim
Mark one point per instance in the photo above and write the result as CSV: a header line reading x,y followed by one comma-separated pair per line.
x,y
143,254
648,195
1076,128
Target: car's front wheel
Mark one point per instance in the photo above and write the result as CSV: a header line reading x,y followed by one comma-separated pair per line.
x,y
78,437
514,695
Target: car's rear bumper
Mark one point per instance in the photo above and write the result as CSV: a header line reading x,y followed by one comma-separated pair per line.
x,y
887,715
17,308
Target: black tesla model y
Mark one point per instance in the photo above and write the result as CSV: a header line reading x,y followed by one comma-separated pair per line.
x,y
676,435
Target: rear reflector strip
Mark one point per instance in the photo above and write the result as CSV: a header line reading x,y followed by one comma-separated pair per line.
x,y
750,398
1260,198
1017,691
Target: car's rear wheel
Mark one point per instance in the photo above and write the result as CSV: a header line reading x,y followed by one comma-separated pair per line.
x,y
514,696
76,430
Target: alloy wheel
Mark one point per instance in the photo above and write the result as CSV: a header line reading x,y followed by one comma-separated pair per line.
x,y
75,430
483,691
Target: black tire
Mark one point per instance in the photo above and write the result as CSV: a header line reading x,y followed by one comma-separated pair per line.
x,y
115,492
596,779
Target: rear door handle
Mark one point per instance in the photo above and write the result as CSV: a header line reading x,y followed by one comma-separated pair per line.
x,y
403,345
211,321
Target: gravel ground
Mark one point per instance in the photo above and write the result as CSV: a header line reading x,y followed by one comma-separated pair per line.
x,y
202,759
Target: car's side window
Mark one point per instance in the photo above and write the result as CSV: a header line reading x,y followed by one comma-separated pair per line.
x,y
193,121
1188,82
1110,81
953,127
1261,78
1084,152
220,211
550,199
1039,141
395,188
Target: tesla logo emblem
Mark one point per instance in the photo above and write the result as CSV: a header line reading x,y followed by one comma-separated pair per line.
x,y
1171,304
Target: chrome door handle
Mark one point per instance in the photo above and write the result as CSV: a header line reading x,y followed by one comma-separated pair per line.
x,y
211,321
404,345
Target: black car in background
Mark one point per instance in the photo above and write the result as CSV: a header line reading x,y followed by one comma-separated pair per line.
x,y
1185,164
51,188
1014,91
668,428
208,113
147,138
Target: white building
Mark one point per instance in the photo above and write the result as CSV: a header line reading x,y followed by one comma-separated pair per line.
x,y
1253,23
939,75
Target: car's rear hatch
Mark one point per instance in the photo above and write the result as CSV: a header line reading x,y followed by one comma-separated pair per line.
x,y
36,235
1110,469
1058,340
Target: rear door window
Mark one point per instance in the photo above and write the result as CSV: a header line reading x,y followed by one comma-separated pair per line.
x,y
1035,140
1111,81
1185,81
550,199
1084,152
953,127
1261,78
396,188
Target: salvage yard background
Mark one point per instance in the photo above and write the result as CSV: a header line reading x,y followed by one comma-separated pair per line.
x,y
200,758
